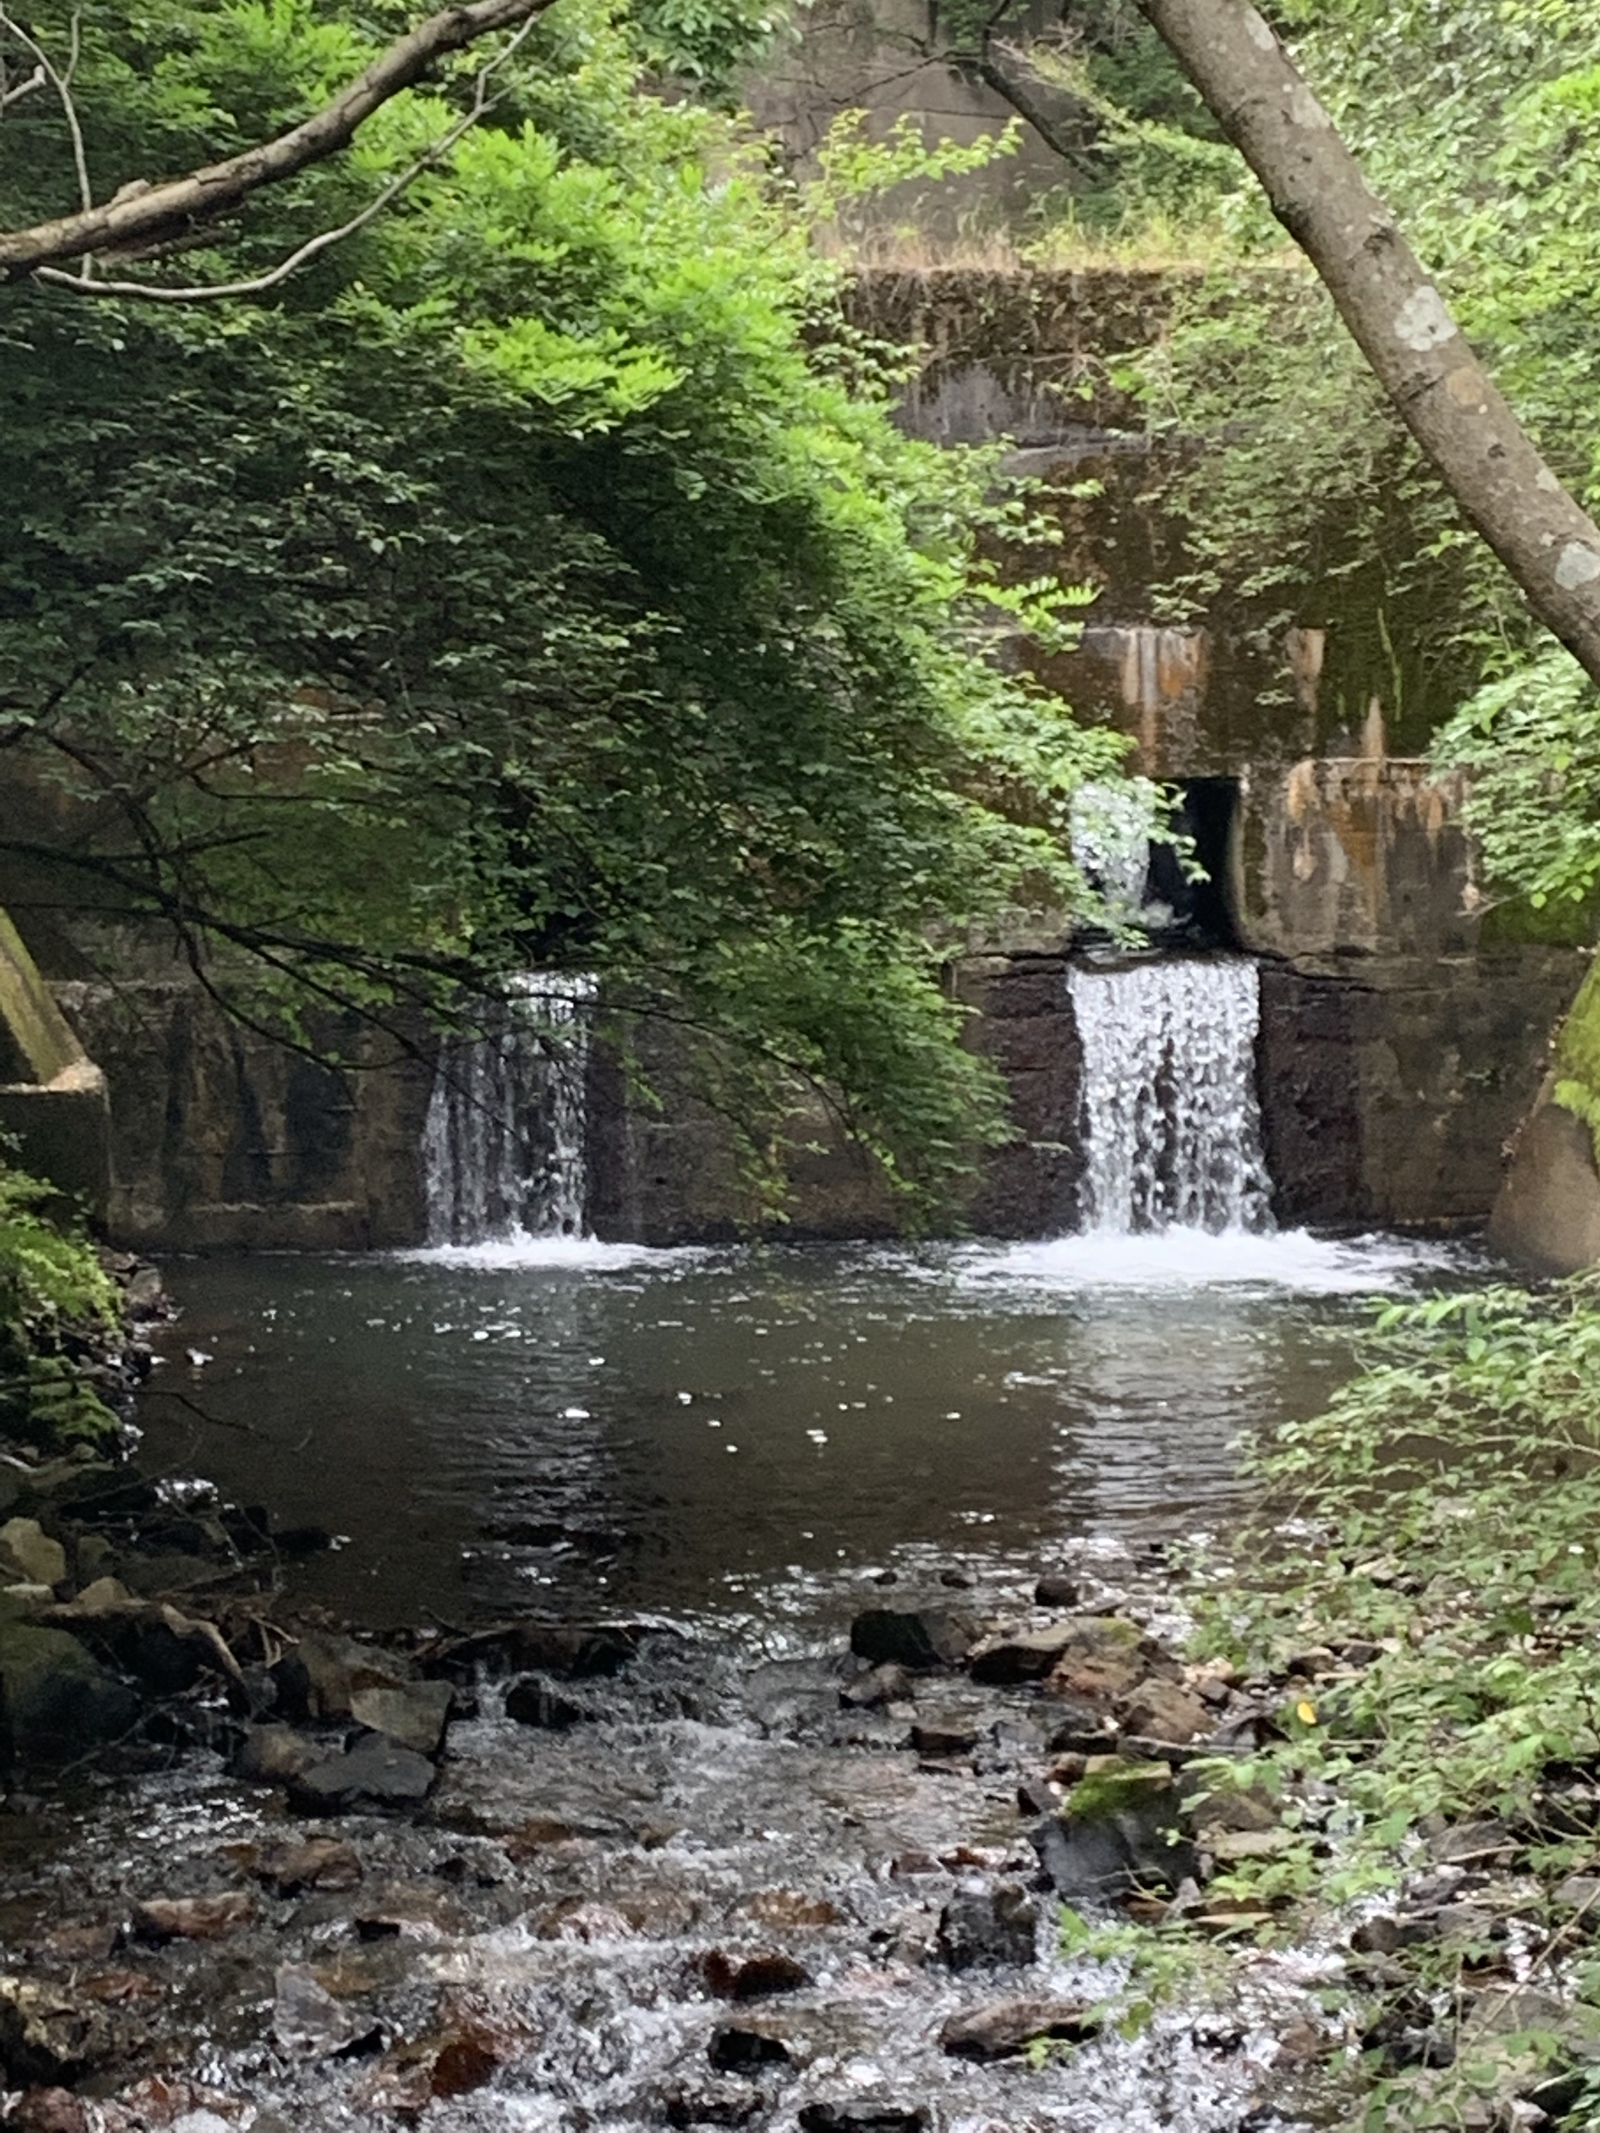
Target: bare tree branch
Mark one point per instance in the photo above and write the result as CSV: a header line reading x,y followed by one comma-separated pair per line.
x,y
142,213
201,292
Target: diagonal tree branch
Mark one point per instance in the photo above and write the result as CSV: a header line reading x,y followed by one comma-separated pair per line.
x,y
483,101
142,213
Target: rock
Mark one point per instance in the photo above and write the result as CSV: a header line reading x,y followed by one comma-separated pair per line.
x,y
1056,1589
48,2111
1579,1895
860,2117
1165,1711
56,1701
790,1908
193,1917
1021,1655
306,2018
735,2049
321,1677
755,1977
944,1736
1472,1844
452,2061
317,1863
921,1641
714,2103
27,1552
996,1928
1118,1830
878,1685
374,1773
1007,2028
1080,1729
276,1755
532,1703
414,1713
44,2037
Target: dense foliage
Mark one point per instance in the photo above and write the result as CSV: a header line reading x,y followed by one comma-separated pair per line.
x,y
54,1295
535,579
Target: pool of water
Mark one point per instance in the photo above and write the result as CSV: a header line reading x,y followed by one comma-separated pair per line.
x,y
750,1434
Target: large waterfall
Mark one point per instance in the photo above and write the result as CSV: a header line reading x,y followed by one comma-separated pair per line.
x,y
1172,1128
504,1146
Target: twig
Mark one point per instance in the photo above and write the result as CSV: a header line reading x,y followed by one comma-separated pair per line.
x,y
140,213
482,103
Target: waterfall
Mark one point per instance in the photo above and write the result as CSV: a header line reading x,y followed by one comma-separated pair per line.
x,y
504,1145
1172,1128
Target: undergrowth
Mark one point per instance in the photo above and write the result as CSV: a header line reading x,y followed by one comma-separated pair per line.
x,y
55,1297
1429,1610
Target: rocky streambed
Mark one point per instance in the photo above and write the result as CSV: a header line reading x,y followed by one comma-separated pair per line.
x,y
557,1874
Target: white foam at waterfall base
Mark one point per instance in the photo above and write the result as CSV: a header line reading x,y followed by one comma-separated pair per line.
x,y
1195,1258
1172,1128
504,1146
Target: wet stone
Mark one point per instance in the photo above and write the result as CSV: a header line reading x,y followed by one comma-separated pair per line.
x,y
921,1640
275,1755
944,1736
193,1917
414,1713
322,1863
889,1683
737,2050
306,2018
322,1676
1007,2028
48,2111
754,1977
28,1554
1164,1711
992,1928
375,1773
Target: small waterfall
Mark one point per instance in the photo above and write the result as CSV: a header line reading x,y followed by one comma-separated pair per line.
x,y
504,1146
1172,1127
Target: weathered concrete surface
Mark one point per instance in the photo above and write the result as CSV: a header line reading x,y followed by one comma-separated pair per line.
x,y
1547,1217
222,1139
52,1095
1030,1187
1389,1090
1357,855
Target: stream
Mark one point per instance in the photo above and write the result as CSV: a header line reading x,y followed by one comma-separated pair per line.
x,y
735,1451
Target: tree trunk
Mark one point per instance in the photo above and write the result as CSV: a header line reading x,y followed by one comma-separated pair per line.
x,y
1480,451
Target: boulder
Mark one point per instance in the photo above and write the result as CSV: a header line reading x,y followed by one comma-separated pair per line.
x,y
1118,1830
944,1736
414,1713
29,1555
1007,2028
45,2037
1020,1655
878,1685
321,1677
1166,1711
275,1755
56,1701
994,1928
374,1773
922,1640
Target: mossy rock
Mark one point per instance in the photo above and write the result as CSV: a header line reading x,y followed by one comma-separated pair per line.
x,y
56,1701
1119,1784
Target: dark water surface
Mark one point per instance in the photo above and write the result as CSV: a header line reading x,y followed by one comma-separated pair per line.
x,y
739,1433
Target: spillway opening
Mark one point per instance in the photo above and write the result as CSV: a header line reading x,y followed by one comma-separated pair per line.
x,y
1201,910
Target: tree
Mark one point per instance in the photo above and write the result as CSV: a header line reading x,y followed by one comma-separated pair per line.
x,y
533,578
1316,189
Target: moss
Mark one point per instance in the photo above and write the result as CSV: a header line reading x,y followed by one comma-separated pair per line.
x,y
1117,1785
1578,1058
1516,923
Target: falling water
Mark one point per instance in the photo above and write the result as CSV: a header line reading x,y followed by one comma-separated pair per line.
x,y
1172,1128
504,1146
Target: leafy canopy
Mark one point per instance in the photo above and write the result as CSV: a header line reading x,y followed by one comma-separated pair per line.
x,y
535,578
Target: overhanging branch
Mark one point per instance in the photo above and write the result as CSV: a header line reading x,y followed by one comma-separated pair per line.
x,y
142,214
